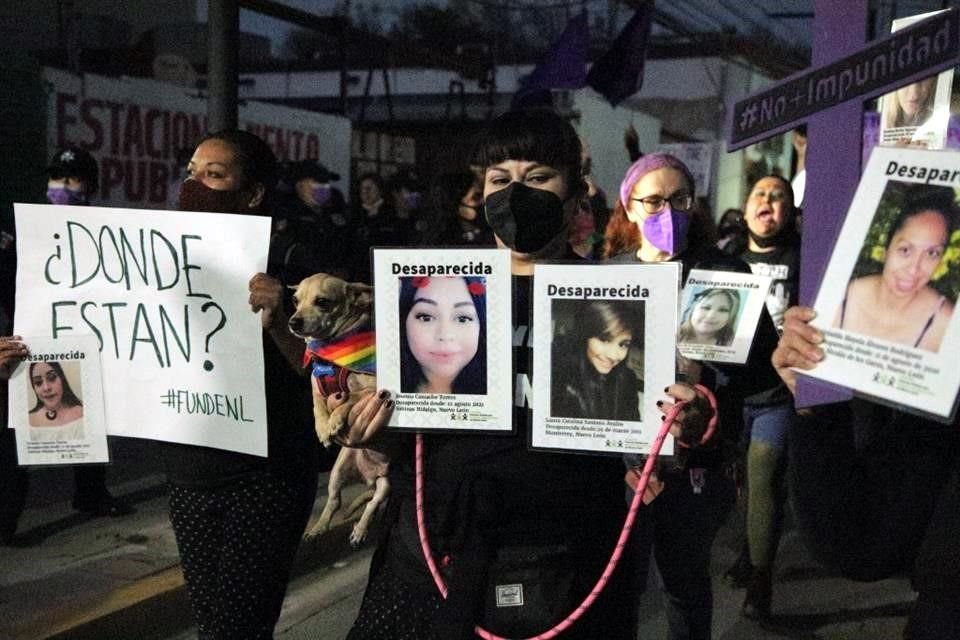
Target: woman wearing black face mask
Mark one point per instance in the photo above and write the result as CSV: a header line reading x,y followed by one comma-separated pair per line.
x,y
238,518
489,495
458,217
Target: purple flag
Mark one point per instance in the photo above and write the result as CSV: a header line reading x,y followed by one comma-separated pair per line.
x,y
618,74
564,66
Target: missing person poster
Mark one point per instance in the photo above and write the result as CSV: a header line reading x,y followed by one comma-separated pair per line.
x,y
719,313
56,403
602,335
165,293
886,305
918,114
444,341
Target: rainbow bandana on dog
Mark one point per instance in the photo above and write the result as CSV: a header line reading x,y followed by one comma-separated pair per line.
x,y
333,361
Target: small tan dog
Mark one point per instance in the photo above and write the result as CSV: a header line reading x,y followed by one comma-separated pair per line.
x,y
334,317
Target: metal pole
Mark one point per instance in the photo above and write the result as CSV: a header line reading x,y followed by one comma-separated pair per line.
x,y
223,27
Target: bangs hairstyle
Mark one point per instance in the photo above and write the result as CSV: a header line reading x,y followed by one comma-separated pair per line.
x,y
604,318
532,135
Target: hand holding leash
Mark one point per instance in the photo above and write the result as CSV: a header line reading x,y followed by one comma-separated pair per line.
x,y
366,419
12,351
798,346
266,295
695,422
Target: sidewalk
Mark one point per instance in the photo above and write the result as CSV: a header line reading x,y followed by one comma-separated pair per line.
x,y
102,578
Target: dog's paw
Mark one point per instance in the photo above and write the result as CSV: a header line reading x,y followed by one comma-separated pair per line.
x,y
358,536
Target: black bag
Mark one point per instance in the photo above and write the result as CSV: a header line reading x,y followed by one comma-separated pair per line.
x,y
530,589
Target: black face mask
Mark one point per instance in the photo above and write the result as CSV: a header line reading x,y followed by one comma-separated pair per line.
x,y
524,218
196,196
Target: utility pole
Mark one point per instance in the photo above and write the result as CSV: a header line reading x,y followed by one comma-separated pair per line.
x,y
223,27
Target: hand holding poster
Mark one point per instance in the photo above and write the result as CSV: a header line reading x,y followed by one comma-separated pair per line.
x,y
719,315
444,338
890,328
56,403
602,334
165,295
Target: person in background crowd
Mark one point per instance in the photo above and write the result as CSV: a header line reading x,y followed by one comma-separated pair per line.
x,y
375,225
458,217
407,192
732,232
238,518
799,183
876,490
72,179
654,221
311,230
773,250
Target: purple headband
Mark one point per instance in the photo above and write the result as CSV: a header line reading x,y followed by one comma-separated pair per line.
x,y
646,164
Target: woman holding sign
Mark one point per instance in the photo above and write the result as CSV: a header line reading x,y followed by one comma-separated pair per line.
x,y
898,304
654,221
238,518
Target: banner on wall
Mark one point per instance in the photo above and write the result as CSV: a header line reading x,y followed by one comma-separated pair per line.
x,y
164,294
136,127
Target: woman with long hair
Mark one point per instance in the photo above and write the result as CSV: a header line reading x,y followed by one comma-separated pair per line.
x,y
711,318
443,335
590,376
58,413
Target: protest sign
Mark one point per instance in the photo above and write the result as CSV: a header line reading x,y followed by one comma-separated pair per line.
x,y
889,325
601,334
444,337
165,295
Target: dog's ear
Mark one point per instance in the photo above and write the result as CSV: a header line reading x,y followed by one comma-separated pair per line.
x,y
361,295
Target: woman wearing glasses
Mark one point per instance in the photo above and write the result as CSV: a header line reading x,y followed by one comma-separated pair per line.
x,y
654,221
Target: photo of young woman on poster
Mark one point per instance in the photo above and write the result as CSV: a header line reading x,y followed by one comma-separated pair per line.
x,y
898,291
443,335
711,318
590,373
910,106
58,412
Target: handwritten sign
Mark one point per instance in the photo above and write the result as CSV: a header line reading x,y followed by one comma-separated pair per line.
x,y
165,295
905,56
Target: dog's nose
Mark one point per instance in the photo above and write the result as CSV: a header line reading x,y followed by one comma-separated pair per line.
x,y
295,323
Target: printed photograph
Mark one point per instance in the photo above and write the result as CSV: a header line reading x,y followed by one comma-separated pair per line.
x,y
443,335
710,316
907,276
597,359
57,413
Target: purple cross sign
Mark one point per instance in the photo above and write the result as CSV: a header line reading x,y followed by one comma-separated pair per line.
x,y
829,98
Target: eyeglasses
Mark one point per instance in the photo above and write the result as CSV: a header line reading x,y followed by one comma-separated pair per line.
x,y
655,204
775,195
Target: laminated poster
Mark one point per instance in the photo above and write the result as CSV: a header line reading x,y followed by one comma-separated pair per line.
x,y
719,314
56,403
602,333
444,338
918,114
886,305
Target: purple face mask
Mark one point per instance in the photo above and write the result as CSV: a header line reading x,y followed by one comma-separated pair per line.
x,y
62,195
321,194
667,230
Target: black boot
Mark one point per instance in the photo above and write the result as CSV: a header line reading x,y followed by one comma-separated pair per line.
x,y
756,605
738,575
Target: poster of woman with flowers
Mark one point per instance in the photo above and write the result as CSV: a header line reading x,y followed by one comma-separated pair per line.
x,y
886,302
903,288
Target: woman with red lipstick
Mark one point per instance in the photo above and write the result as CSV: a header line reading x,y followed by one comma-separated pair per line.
x,y
591,377
443,335
898,304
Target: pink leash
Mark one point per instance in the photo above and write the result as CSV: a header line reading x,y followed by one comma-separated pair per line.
x,y
635,504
